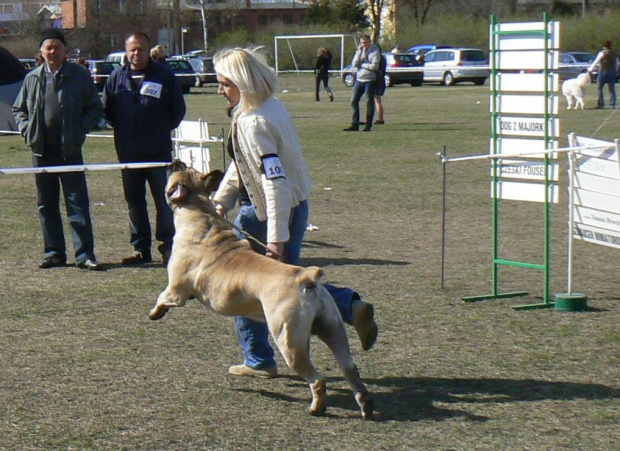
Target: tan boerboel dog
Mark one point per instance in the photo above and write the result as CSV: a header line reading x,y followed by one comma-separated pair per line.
x,y
210,263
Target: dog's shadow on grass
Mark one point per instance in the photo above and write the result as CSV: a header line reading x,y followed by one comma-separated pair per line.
x,y
416,399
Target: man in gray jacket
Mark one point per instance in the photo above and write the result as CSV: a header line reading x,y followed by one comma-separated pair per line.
x,y
366,61
55,108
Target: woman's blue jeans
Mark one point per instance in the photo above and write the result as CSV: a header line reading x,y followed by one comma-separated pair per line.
x,y
253,336
606,78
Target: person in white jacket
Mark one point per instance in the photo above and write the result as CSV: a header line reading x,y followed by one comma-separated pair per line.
x,y
268,177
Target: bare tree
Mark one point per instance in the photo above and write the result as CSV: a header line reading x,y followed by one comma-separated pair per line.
x,y
375,7
27,15
202,6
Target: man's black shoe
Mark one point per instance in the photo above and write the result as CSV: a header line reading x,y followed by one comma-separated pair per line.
x,y
352,128
165,257
137,258
90,264
367,128
53,262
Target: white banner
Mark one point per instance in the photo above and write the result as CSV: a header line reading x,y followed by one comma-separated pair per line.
x,y
527,60
527,126
525,82
598,201
597,166
524,104
532,192
527,170
596,235
523,147
521,38
597,184
597,218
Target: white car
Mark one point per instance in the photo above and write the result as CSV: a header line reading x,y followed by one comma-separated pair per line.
x,y
450,66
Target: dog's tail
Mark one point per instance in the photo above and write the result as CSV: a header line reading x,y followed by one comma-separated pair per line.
x,y
308,278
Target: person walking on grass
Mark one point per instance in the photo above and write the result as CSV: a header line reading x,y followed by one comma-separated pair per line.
x,y
55,108
321,72
366,62
269,178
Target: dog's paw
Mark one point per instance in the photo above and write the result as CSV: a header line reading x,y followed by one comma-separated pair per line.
x,y
158,313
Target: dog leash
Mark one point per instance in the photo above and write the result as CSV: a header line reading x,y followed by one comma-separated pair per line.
x,y
250,237
603,123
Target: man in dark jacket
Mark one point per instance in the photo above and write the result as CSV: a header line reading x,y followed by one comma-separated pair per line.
x,y
143,101
57,105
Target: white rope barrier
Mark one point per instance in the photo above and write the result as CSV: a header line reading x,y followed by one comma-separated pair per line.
x,y
88,135
82,168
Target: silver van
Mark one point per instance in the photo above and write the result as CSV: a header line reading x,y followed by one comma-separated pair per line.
x,y
450,66
117,57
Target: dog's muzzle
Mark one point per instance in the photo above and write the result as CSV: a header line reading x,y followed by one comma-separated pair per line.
x,y
178,193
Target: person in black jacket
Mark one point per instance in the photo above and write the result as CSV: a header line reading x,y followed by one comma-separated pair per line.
x,y
143,101
321,71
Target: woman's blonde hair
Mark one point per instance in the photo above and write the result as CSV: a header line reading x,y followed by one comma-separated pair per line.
x,y
321,51
157,52
250,73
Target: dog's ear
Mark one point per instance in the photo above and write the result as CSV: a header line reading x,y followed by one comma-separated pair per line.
x,y
212,180
176,165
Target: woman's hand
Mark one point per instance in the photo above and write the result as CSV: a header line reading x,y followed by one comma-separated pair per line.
x,y
275,250
220,210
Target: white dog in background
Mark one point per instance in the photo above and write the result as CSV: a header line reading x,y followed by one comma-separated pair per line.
x,y
574,89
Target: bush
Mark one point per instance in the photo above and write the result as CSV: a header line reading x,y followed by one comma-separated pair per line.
x,y
577,33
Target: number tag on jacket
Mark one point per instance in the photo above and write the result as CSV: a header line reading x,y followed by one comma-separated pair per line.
x,y
151,89
272,167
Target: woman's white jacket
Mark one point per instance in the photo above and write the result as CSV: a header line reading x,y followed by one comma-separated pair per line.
x,y
262,135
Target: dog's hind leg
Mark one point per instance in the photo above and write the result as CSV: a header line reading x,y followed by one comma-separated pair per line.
x,y
334,335
294,345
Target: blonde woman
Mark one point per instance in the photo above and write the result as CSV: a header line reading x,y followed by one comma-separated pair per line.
x,y
268,177
157,54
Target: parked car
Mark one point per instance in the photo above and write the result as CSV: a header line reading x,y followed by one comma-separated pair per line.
x,y
184,72
100,70
401,68
450,66
28,63
117,57
574,63
423,49
203,66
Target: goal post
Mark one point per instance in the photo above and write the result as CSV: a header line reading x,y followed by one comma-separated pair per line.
x,y
285,40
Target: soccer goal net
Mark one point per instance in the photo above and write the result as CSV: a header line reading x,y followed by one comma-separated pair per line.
x,y
298,53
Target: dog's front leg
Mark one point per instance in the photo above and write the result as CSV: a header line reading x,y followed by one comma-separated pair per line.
x,y
167,299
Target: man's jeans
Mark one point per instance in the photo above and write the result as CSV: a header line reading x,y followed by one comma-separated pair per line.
x,y
606,78
359,89
75,194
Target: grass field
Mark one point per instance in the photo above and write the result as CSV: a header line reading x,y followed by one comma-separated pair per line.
x,y
83,367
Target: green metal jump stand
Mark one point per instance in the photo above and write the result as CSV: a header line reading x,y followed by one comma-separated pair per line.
x,y
496,260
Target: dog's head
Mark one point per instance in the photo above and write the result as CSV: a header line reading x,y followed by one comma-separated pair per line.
x,y
184,182
583,80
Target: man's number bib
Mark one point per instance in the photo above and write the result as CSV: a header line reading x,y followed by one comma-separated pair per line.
x,y
151,89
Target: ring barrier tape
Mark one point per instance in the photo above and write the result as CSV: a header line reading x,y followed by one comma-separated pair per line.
x,y
82,168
